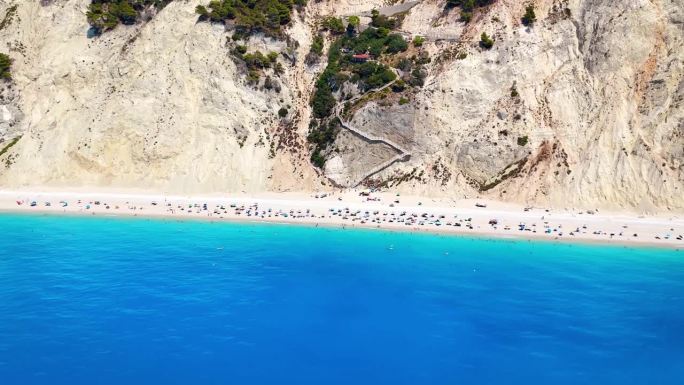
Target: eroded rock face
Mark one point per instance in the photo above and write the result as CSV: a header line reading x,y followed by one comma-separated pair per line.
x,y
10,111
593,120
394,122
156,105
596,117
351,162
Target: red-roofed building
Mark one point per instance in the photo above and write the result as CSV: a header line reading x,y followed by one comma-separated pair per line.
x,y
361,58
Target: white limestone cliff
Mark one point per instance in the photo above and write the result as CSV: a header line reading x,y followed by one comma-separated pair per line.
x,y
161,105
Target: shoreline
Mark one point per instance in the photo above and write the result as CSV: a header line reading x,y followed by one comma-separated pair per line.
x,y
332,226
373,211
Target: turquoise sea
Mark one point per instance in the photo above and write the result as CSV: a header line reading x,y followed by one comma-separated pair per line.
x,y
135,301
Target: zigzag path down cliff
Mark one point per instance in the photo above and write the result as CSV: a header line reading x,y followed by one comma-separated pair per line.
x,y
403,153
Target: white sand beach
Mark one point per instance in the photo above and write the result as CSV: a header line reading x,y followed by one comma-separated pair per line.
x,y
364,209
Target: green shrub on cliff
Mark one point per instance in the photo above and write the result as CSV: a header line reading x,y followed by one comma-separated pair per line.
x,y
5,66
317,45
467,7
333,24
486,42
529,18
381,21
251,16
104,15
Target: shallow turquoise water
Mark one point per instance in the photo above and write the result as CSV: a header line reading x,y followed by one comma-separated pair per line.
x,y
133,301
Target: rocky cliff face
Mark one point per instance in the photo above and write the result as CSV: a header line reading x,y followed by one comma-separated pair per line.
x,y
156,105
582,108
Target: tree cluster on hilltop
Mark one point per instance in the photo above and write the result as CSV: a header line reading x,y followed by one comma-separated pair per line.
x,y
251,16
104,15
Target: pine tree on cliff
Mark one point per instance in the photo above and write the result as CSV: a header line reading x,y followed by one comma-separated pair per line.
x,y
529,18
5,64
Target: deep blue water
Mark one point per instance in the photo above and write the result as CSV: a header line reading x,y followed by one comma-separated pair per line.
x,y
133,301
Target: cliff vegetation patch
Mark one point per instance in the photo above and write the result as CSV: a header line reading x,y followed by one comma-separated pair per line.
x,y
362,65
5,66
105,15
9,17
251,16
9,145
468,7
256,64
